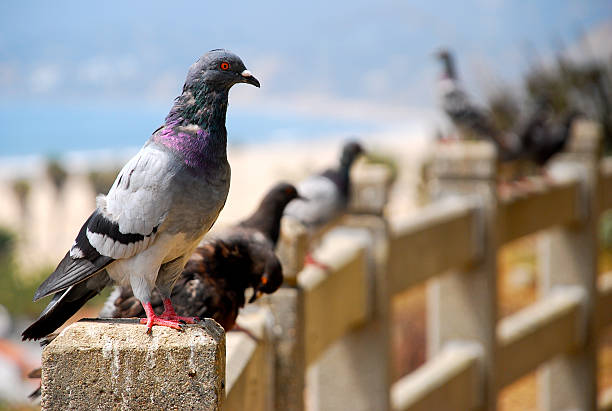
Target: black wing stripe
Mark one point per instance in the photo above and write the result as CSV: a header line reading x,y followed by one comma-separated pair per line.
x,y
98,224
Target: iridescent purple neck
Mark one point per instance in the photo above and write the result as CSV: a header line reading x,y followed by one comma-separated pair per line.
x,y
197,149
195,128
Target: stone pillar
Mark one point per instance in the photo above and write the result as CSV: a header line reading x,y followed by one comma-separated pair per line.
x,y
568,256
287,306
461,305
355,372
114,364
249,377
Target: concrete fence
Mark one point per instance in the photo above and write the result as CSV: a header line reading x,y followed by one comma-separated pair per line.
x,y
322,342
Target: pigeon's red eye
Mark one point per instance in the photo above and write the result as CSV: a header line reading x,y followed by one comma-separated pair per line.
x,y
225,65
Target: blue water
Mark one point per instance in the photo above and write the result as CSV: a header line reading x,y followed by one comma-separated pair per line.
x,y
40,128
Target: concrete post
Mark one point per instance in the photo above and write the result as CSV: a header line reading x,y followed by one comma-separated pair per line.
x,y
568,256
355,372
462,305
288,311
292,249
249,378
114,364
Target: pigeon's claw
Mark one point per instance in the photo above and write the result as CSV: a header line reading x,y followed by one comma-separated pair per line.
x,y
153,319
170,314
184,320
310,260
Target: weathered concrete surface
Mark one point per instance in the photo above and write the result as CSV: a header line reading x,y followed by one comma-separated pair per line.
x,y
287,305
462,305
354,372
117,366
292,248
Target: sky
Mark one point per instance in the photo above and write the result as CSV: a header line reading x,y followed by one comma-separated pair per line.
x,y
80,75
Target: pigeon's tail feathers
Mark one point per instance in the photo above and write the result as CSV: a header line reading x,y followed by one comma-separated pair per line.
x,y
64,305
71,271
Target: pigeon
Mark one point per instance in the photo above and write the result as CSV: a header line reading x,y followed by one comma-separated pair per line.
x,y
543,137
218,273
325,196
215,279
471,121
163,201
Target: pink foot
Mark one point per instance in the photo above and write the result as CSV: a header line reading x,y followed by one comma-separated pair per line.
x,y
310,260
152,319
170,314
155,320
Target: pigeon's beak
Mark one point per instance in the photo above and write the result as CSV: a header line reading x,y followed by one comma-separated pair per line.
x,y
247,77
255,296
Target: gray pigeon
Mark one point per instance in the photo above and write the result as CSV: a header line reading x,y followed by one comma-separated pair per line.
x,y
215,279
325,195
160,206
471,120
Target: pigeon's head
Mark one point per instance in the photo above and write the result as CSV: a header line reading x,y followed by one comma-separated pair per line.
x,y
218,69
350,152
267,217
446,57
281,194
270,280
443,54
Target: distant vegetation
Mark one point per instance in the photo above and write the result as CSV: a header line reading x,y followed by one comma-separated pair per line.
x,y
103,180
16,290
56,172
564,85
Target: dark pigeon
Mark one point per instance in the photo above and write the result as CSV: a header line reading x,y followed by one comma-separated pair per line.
x,y
163,201
544,136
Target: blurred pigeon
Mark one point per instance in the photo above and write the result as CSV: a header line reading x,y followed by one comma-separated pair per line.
x,y
471,121
543,136
162,203
215,279
325,195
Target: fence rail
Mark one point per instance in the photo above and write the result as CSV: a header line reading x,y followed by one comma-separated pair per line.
x,y
328,330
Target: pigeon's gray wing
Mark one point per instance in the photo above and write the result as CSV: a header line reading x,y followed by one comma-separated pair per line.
x,y
322,202
129,216
125,222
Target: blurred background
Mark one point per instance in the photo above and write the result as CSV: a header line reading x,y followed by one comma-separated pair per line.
x,y
82,86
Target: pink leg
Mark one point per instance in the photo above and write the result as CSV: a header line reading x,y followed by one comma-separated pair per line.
x,y
152,319
238,328
310,260
170,314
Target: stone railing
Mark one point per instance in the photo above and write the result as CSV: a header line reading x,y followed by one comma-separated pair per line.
x,y
322,341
